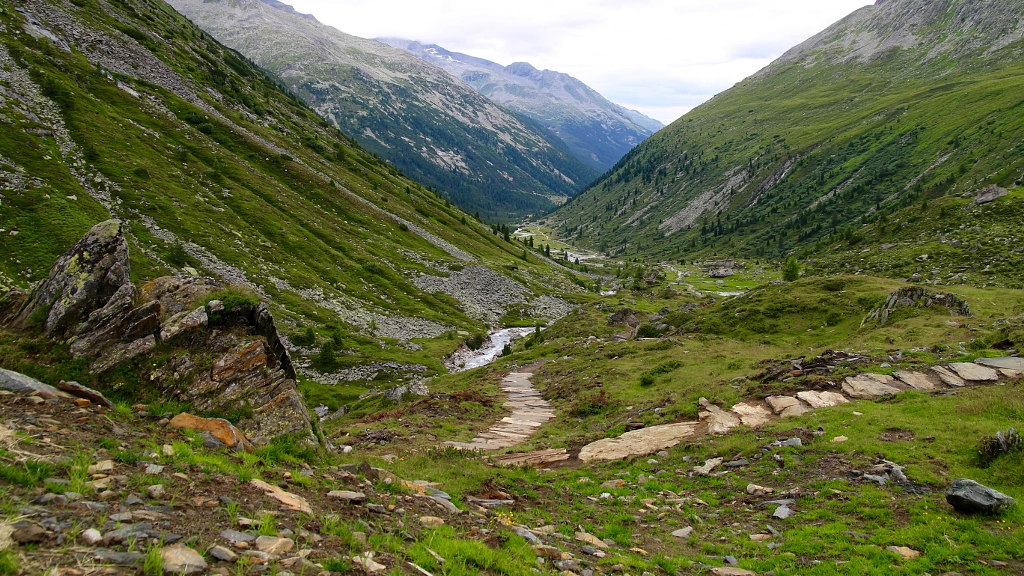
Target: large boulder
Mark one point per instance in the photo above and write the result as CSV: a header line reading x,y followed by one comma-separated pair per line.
x,y
624,316
968,496
81,281
18,382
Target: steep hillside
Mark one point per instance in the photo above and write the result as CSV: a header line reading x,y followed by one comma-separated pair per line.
x,y
127,110
901,102
597,131
431,126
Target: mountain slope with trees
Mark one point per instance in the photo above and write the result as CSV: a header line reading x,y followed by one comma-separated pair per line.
x,y
431,126
597,131
899,103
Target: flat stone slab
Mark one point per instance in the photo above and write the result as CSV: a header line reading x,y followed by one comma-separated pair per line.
x,y
752,415
787,406
917,380
639,442
1008,362
870,386
822,399
719,421
974,372
948,378
538,459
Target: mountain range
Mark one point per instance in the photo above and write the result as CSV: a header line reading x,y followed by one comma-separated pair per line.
x,y
899,103
597,131
419,118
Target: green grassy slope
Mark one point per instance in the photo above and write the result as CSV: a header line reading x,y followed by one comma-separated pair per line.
x,y
815,145
215,168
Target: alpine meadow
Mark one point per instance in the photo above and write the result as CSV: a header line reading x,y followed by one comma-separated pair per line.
x,y
279,299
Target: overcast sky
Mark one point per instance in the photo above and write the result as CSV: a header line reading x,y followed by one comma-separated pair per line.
x,y
661,57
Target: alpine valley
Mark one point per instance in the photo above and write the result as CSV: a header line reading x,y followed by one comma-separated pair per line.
x,y
279,300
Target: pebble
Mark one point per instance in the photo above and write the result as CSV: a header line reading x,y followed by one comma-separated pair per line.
x,y
434,522
782,512
683,532
839,439
167,450
223,554
274,545
91,537
156,491
182,560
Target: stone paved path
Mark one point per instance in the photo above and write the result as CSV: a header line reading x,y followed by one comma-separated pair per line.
x,y
529,412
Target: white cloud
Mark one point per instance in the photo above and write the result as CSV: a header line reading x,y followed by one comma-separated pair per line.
x,y
662,57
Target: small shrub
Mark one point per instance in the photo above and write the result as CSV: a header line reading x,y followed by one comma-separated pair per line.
x,y
326,360
591,405
403,227
306,337
646,380
205,128
791,270
475,342
834,318
1002,443
647,331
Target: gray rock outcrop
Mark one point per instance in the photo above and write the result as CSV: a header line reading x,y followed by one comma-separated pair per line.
x,y
240,362
83,280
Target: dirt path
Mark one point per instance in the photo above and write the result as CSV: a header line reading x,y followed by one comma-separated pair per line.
x,y
529,412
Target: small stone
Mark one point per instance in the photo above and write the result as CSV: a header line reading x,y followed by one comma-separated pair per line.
x,y
156,491
102,467
30,534
82,402
839,439
91,537
590,539
154,469
178,559
683,532
167,450
907,553
365,561
755,490
236,536
223,554
274,545
760,537
782,512
348,496
431,521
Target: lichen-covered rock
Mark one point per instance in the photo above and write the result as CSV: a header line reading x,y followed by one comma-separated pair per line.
x,y
123,352
81,281
183,323
179,293
285,414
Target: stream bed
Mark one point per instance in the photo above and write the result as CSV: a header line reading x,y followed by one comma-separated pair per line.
x,y
466,359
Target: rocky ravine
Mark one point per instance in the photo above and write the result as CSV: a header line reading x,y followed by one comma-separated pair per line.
x,y
223,356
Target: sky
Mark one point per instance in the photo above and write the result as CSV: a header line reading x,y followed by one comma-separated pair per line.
x,y
661,57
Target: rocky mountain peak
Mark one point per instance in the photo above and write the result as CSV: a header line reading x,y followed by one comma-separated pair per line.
x,y
925,29
288,8
524,69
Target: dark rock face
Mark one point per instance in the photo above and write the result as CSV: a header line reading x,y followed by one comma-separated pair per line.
x,y
968,496
83,279
88,297
624,316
